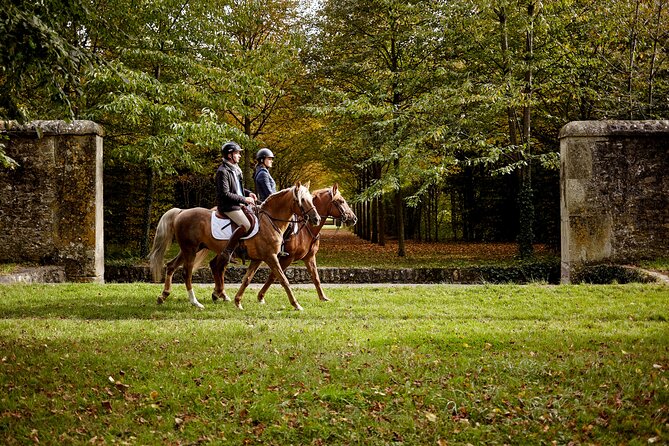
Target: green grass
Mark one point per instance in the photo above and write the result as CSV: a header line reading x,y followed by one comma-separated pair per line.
x,y
103,364
657,264
7,268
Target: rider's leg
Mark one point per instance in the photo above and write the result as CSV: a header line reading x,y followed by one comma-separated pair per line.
x,y
286,235
244,226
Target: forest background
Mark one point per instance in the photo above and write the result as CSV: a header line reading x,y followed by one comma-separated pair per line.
x,y
439,119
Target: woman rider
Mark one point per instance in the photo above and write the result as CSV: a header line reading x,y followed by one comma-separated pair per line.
x,y
265,184
231,195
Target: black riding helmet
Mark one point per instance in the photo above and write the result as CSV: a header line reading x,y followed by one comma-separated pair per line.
x,y
264,153
230,147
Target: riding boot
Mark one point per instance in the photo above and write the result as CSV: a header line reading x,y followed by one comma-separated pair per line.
x,y
282,252
232,245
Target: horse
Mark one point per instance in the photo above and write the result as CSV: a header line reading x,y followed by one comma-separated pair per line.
x,y
305,243
192,229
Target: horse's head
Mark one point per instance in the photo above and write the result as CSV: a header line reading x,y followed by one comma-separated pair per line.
x,y
303,204
334,205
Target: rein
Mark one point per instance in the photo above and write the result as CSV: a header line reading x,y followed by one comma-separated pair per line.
x,y
301,219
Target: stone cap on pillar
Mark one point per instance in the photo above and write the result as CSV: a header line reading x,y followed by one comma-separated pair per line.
x,y
41,128
613,128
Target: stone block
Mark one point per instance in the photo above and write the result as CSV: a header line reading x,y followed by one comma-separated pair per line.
x,y
51,209
614,192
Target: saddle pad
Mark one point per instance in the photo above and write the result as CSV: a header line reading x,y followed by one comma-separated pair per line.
x,y
221,228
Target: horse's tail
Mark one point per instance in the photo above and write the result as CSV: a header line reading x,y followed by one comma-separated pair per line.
x,y
162,241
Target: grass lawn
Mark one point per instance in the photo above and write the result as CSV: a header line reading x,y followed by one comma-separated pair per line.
x,y
503,364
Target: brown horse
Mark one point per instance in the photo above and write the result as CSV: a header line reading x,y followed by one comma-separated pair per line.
x,y
304,245
192,228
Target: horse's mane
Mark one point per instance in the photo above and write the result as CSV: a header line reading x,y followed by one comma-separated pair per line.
x,y
327,189
276,194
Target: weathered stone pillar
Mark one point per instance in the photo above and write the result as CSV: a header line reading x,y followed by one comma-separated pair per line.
x,y
614,196
51,205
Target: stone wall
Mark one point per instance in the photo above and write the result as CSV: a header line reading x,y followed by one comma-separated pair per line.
x,y
51,205
614,193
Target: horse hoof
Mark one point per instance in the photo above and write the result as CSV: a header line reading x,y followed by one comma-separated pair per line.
x,y
262,301
226,298
239,305
198,305
325,299
298,307
160,300
214,297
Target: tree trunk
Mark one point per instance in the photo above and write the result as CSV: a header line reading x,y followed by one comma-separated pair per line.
x,y
525,198
653,60
148,206
399,209
247,156
632,60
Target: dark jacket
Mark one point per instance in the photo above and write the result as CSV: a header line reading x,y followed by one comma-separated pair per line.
x,y
227,198
265,184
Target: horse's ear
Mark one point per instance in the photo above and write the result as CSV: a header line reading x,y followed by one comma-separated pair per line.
x,y
298,184
307,184
334,189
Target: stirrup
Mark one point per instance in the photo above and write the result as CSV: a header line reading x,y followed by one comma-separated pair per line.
x,y
228,257
283,254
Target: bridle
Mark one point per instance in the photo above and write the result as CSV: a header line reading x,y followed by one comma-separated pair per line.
x,y
303,219
338,206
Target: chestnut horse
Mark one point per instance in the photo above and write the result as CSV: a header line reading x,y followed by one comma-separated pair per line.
x,y
192,228
304,245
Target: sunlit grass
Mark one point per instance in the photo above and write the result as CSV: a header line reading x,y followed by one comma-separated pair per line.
x,y
96,364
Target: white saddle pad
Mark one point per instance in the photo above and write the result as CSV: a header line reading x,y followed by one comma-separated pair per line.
x,y
221,229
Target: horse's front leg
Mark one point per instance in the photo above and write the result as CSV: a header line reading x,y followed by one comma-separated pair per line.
x,y
310,263
250,272
273,263
285,263
172,266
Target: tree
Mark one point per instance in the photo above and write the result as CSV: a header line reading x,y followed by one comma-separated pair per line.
x,y
148,95
255,63
378,59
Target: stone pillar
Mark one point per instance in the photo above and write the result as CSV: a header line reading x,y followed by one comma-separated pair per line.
x,y
51,205
614,197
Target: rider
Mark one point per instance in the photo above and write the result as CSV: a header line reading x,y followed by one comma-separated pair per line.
x,y
230,195
265,184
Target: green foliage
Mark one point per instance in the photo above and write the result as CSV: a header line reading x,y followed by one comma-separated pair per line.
x,y
89,363
383,96
41,58
607,274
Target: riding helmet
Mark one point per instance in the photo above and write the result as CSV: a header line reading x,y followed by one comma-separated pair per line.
x,y
264,153
230,147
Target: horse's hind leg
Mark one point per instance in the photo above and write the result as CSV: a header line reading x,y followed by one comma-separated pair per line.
x,y
250,271
172,266
285,263
310,263
188,279
265,287
218,273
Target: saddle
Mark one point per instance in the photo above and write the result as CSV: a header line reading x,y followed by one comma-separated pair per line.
x,y
222,227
